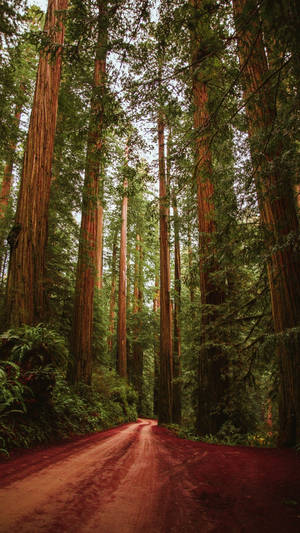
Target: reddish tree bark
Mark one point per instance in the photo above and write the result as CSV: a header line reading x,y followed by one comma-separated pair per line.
x,y
137,349
278,214
112,295
175,313
8,169
156,306
166,371
88,254
122,331
190,259
212,363
26,290
7,181
176,319
99,216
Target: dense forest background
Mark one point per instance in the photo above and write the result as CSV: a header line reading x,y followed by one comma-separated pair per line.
x,y
149,218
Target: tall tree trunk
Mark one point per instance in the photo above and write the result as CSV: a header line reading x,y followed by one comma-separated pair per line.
x,y
165,377
176,319
8,169
122,331
190,263
128,312
99,216
87,273
137,349
282,21
5,192
112,294
297,195
175,324
156,306
212,363
26,290
278,215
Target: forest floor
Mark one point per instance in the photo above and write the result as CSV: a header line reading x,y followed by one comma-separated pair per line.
x,y
139,477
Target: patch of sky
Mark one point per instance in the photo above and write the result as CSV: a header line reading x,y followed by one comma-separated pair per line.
x,y
40,3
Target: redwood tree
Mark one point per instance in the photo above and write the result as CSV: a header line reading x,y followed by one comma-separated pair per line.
x,y
277,211
88,262
122,331
7,180
212,363
8,168
176,318
166,371
112,301
137,349
26,287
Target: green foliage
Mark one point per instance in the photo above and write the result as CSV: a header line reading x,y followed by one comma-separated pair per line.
x,y
11,389
37,404
34,347
228,435
63,413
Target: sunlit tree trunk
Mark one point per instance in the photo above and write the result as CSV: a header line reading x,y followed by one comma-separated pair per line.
x,y
278,215
212,363
165,377
122,329
26,288
87,266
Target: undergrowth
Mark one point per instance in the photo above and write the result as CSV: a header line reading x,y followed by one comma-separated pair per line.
x,y
37,405
228,436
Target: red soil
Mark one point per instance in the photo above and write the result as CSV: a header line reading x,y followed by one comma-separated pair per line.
x,y
140,478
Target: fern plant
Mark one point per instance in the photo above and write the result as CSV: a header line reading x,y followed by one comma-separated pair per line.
x,y
11,389
35,346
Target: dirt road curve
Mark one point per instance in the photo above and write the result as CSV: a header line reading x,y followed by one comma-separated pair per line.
x,y
140,478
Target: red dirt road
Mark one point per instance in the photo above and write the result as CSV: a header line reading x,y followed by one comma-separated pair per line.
x,y
140,478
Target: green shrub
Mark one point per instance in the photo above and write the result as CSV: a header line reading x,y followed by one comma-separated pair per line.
x,y
34,347
36,402
12,391
60,412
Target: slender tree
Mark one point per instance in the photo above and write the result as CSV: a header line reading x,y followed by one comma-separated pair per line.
x,y
176,318
99,215
7,180
26,291
122,332
277,210
175,312
112,302
137,349
156,307
8,168
166,371
88,254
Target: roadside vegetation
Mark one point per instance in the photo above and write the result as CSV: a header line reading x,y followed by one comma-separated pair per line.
x,y
36,403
